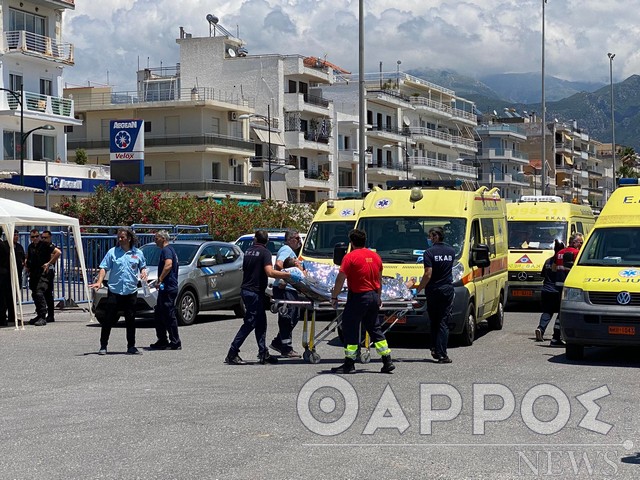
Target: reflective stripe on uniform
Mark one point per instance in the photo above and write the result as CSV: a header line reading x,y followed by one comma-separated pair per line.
x,y
382,347
351,351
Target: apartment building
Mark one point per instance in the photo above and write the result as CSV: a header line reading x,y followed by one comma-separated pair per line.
x,y
500,160
34,113
414,129
193,141
289,108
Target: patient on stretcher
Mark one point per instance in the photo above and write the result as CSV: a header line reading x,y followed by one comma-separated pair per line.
x,y
294,267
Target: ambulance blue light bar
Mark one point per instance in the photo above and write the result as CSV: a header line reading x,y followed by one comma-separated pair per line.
x,y
628,181
409,184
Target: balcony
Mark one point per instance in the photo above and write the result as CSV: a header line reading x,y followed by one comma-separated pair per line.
x,y
389,98
307,179
28,43
303,102
206,140
210,185
442,109
502,154
439,166
442,138
39,104
499,178
388,133
300,140
350,156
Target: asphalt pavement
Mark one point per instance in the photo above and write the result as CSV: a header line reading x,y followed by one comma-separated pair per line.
x,y
507,407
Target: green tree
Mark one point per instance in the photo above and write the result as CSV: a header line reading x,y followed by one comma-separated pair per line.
x,y
628,163
81,156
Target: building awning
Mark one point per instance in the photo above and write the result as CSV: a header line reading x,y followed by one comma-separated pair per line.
x,y
568,160
264,137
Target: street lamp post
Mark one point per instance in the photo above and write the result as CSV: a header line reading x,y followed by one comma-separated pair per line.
x,y
543,173
613,121
18,97
268,120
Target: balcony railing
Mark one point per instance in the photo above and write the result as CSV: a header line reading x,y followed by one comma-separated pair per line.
x,y
442,107
449,166
315,137
46,47
388,128
502,152
36,102
315,100
212,185
173,140
447,137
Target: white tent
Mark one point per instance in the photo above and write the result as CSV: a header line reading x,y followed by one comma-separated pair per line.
x,y
14,214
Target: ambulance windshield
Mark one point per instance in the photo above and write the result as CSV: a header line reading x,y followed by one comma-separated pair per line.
x,y
323,236
404,239
613,246
536,235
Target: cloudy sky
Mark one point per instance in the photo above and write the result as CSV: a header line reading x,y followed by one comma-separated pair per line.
x,y
475,37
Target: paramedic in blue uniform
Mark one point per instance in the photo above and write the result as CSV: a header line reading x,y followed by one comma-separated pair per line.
x,y
437,281
283,291
124,262
256,267
167,285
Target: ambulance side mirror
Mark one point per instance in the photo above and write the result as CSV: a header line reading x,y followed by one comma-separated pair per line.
x,y
339,251
480,256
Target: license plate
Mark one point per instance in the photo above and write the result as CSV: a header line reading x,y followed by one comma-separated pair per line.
x,y
522,293
613,330
392,318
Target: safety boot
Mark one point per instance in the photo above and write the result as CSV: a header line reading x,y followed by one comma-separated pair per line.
x,y
387,364
347,367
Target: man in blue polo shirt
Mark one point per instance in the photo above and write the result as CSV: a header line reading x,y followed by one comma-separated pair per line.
x,y
123,262
283,291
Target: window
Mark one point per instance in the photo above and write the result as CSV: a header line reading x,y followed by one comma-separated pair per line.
x,y
46,87
215,171
488,234
43,147
68,129
292,86
215,125
147,126
11,140
15,82
238,173
19,20
147,171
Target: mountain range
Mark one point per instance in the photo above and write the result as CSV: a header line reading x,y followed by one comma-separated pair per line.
x,y
587,103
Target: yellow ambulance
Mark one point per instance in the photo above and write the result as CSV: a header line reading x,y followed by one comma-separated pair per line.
x,y
397,221
534,223
601,294
331,224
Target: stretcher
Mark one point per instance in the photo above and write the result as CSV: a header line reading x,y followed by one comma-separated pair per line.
x,y
313,302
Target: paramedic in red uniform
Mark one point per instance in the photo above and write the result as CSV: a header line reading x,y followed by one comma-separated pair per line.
x,y
362,268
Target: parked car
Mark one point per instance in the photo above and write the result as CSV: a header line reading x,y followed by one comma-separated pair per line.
x,y
209,278
276,240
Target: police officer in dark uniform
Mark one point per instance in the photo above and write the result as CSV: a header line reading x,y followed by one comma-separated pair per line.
x,y
41,274
256,267
438,280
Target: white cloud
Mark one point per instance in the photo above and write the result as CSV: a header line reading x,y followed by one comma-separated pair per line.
x,y
476,37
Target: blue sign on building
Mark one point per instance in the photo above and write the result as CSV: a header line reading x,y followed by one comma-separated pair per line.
x,y
127,151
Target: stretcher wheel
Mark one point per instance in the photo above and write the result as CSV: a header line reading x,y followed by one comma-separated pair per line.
x,y
311,356
365,356
273,308
283,309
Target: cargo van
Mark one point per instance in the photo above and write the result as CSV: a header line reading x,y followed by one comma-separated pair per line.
x,y
534,223
601,294
331,225
397,221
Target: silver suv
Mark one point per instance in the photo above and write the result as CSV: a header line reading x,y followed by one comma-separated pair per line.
x,y
209,278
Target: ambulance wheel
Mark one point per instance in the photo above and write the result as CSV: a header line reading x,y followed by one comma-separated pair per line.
x,y
365,356
469,331
496,321
574,352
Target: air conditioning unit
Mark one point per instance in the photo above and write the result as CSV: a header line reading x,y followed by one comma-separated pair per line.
x,y
233,162
233,116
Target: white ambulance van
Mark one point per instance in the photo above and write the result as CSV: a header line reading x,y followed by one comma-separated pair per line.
x,y
534,222
601,294
397,221
331,225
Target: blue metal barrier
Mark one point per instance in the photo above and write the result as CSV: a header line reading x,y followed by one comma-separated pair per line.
x,y
68,287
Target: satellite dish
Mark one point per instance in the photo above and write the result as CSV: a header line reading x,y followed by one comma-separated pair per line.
x,y
231,52
212,19
406,121
495,113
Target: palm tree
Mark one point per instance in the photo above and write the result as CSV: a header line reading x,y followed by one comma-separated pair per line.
x,y
628,163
